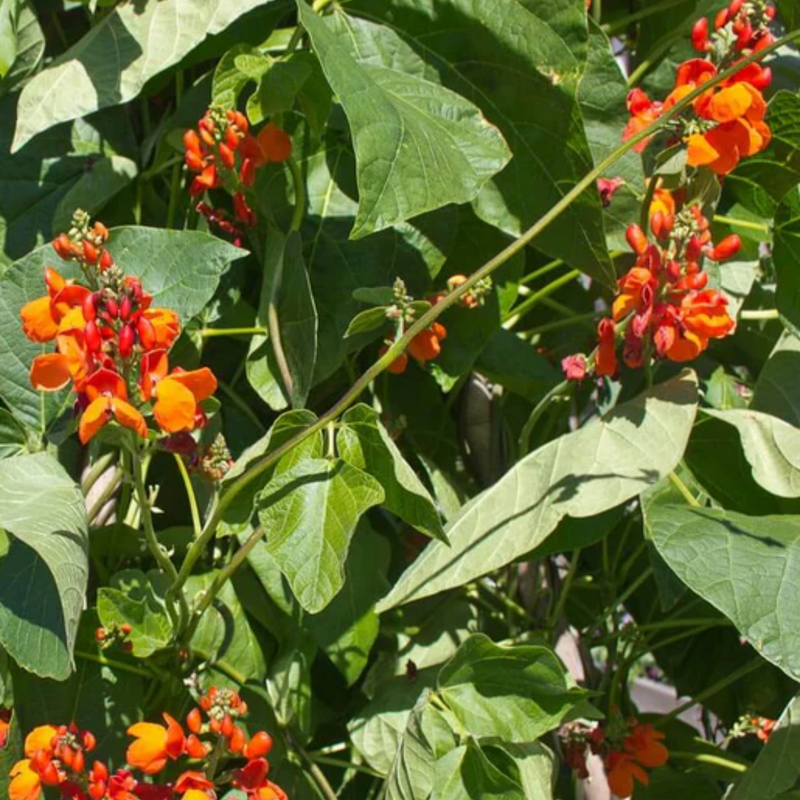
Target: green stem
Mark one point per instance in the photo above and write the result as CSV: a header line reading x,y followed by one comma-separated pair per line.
x,y
751,666
683,489
537,273
453,297
299,195
624,22
708,758
316,773
644,214
190,495
107,662
529,302
565,587
541,407
764,314
655,57
341,764
742,223
208,333
236,399
157,551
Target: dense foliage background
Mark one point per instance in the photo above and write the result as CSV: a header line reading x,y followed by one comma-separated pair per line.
x,y
440,576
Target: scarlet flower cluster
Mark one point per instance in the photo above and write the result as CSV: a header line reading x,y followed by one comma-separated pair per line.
x,y
223,152
663,303
111,345
627,748
58,757
726,122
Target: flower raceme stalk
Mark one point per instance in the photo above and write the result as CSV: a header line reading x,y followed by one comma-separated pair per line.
x,y
59,757
111,346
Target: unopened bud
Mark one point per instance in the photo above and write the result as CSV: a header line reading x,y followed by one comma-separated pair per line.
x,y
125,342
727,248
700,35
636,239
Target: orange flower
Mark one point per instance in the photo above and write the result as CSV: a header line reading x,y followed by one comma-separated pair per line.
x,y
622,769
108,395
40,739
741,131
193,785
606,357
630,287
166,326
664,202
426,345
270,145
178,395
270,791
705,314
25,783
41,317
398,366
644,744
154,745
643,113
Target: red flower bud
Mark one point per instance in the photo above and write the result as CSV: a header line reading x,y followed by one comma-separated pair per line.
x,y
106,261
49,774
236,740
90,253
147,333
125,308
78,761
735,7
247,174
97,790
194,747
227,156
89,741
63,246
92,337
636,239
100,634
112,307
232,138
694,248
191,141
259,745
90,307
125,342
727,248
721,20
194,720
125,629
744,36
700,35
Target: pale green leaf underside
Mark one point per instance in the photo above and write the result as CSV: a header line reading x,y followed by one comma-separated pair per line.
x,y
43,509
418,145
310,513
581,474
112,63
747,567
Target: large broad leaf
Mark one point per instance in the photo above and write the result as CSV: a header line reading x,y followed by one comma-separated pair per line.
x,y
786,256
412,773
364,442
348,627
418,146
747,567
285,287
45,570
310,513
777,767
111,64
581,474
181,269
29,44
771,446
466,773
524,77
514,693
790,14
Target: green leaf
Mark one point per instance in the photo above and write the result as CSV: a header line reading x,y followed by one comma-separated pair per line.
x,y
524,77
371,319
29,48
777,390
237,517
364,443
412,773
777,767
581,474
347,629
286,286
531,766
229,80
375,296
310,513
111,64
515,693
466,773
418,146
8,35
790,14
771,446
132,600
786,256
224,636
12,752
181,269
46,570
13,438
289,686
744,566
279,86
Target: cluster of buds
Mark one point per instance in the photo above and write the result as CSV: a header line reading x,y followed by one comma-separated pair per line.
x,y
223,153
114,636
54,756
749,725
626,746
85,243
111,345
725,123
745,23
214,461
218,217
663,306
474,297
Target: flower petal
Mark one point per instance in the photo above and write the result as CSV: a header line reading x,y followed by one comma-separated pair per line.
x,y
129,417
175,406
38,323
200,382
50,372
94,418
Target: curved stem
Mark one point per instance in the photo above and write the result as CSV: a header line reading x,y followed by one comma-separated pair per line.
x,y
541,407
197,525
747,224
759,315
208,333
529,302
708,758
450,299
299,195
